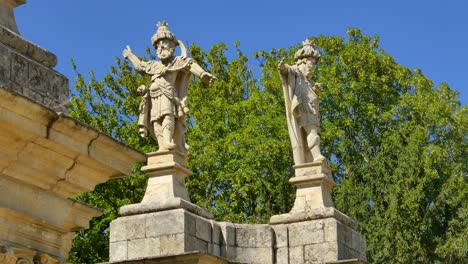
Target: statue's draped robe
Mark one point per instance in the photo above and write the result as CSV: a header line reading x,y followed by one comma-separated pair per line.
x,y
162,98
302,108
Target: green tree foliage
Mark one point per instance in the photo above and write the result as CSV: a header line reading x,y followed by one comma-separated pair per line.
x,y
398,146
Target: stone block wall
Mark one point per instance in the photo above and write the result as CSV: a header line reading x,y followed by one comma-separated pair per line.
x,y
33,79
318,241
177,232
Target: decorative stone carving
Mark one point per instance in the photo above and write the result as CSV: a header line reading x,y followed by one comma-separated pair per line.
x,y
6,257
24,256
302,104
163,106
45,259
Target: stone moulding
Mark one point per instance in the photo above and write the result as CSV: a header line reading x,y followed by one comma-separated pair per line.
x,y
56,152
27,48
46,157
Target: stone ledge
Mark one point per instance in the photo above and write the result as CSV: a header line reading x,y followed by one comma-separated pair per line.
x,y
348,261
319,213
176,203
194,257
40,147
27,48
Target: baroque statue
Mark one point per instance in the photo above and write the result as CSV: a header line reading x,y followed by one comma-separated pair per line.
x,y
302,104
163,108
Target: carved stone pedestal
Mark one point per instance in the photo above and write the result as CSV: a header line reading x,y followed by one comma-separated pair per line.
x,y
314,183
165,223
314,231
166,186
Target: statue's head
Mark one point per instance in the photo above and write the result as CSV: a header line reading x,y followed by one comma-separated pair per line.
x,y
306,57
164,41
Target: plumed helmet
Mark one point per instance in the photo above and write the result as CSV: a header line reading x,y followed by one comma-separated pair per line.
x,y
163,32
308,50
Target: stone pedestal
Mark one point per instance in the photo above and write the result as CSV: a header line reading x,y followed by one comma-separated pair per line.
x,y
313,182
314,231
166,186
165,223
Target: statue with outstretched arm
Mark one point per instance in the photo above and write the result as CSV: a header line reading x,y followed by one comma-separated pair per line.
x,y
302,104
163,108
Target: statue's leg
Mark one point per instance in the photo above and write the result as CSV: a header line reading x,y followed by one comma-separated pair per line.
x,y
157,129
179,135
168,124
313,142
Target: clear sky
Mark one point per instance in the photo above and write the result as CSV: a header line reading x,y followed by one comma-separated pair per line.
x,y
431,35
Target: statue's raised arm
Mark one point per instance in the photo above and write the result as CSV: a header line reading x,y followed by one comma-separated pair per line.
x,y
302,104
163,106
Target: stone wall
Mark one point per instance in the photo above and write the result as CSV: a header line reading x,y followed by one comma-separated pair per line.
x,y
32,79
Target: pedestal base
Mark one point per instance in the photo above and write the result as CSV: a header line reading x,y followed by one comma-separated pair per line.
x,y
164,233
323,235
166,186
313,182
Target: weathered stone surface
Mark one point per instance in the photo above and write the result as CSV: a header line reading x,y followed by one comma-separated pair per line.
x,y
27,48
320,253
32,79
253,255
165,223
305,233
118,250
144,247
173,73
282,255
19,70
5,68
44,159
296,255
184,258
281,235
228,231
7,16
173,244
254,236
173,232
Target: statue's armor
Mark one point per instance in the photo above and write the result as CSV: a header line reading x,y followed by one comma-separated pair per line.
x,y
305,103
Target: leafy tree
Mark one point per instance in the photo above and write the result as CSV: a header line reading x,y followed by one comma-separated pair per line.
x,y
398,146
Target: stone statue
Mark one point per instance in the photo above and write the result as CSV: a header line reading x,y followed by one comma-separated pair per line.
x,y
302,104
163,106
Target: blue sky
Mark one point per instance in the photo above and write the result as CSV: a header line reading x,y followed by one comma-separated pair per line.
x,y
431,35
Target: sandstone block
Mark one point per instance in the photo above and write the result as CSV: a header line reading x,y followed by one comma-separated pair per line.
x,y
165,223
118,251
144,247
254,236
305,233
281,235
216,234
282,255
228,231
296,255
254,255
172,244
321,252
195,244
203,228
